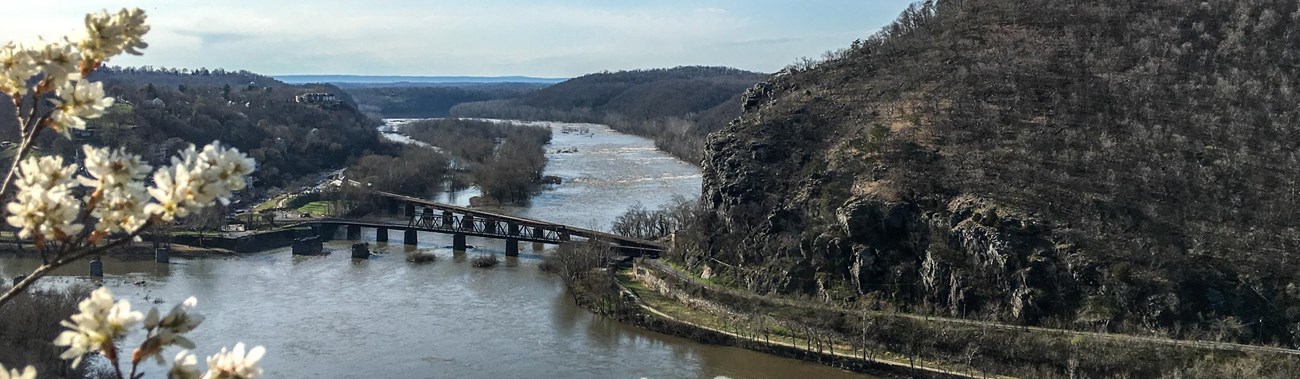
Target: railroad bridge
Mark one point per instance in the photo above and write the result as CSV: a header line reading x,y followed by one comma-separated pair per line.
x,y
428,216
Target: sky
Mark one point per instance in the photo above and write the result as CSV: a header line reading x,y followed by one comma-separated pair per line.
x,y
543,38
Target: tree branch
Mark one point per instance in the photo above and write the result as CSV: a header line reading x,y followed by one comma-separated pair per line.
x,y
61,261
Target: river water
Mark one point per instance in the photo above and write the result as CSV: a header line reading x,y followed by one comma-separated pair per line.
x,y
333,317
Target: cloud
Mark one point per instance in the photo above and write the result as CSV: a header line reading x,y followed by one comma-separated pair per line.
x,y
487,37
212,38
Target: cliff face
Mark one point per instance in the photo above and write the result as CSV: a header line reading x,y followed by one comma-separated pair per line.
x,y
1118,165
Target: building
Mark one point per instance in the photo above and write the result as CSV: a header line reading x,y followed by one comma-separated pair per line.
x,y
316,98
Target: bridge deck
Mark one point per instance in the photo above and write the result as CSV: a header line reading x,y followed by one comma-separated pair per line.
x,y
579,232
477,232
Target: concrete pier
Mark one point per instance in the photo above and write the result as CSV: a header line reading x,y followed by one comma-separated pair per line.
x,y
327,231
381,234
97,267
512,247
458,242
354,232
162,255
410,237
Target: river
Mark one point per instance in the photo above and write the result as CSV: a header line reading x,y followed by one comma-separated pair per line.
x,y
332,317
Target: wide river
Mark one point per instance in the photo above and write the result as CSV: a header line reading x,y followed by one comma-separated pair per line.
x,y
332,317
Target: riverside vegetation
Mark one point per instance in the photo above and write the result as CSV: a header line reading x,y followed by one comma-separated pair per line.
x,y
505,161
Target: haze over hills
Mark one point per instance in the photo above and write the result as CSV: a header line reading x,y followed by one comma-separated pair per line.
x,y
412,80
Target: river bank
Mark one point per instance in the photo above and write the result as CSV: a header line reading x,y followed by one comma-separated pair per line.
x,y
332,316
136,251
666,299
632,293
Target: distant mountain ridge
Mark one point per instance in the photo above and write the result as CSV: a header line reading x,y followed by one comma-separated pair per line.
x,y
376,79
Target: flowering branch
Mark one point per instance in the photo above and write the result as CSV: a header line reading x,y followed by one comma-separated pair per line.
x,y
126,197
45,269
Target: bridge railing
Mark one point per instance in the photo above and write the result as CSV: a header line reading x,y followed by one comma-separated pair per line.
x,y
481,225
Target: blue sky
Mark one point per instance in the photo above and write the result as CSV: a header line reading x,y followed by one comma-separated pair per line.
x,y
549,38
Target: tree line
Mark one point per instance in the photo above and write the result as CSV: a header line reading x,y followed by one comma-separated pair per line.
x,y
505,161
676,107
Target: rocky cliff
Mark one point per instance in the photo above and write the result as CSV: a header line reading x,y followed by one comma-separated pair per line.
x,y
1129,166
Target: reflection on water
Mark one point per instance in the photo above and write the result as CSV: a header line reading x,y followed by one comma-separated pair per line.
x,y
331,316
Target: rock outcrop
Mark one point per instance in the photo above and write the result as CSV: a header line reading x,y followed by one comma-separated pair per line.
x,y
1027,162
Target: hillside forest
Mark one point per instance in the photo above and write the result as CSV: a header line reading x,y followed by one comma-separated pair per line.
x,y
1116,166
676,107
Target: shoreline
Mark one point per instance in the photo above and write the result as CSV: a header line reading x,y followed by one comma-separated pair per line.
x,y
137,251
630,306
897,344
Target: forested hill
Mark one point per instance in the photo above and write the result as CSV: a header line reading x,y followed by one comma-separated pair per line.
x,y
677,107
1118,165
172,77
159,111
421,100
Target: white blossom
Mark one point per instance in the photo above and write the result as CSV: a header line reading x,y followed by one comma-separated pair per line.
x,y
198,178
108,34
235,365
171,188
27,373
44,204
77,101
185,366
60,62
17,64
45,173
119,176
98,322
170,330
225,167
110,168
180,319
